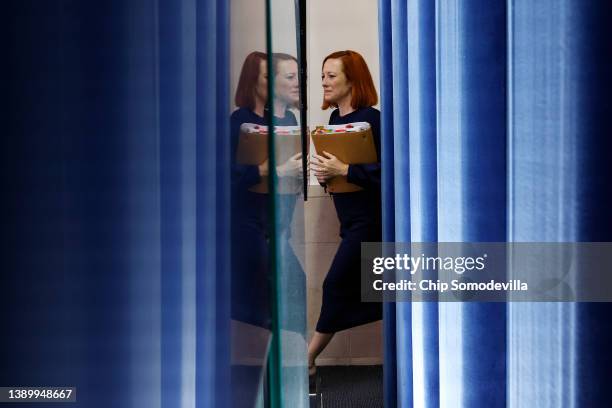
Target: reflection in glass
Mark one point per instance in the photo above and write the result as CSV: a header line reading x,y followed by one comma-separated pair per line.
x,y
267,213
289,216
251,226
250,303
290,386
250,170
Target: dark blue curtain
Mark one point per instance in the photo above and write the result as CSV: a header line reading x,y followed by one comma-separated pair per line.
x,y
114,214
495,117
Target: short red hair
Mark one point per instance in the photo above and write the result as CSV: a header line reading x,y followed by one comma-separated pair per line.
x,y
245,91
363,93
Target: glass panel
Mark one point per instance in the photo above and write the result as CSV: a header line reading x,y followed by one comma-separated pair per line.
x,y
290,384
250,215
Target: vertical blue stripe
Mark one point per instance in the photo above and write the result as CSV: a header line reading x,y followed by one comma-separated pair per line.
x,y
560,69
171,155
422,179
388,196
401,163
483,39
213,296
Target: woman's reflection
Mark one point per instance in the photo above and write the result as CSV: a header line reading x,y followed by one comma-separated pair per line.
x,y
251,224
250,290
291,275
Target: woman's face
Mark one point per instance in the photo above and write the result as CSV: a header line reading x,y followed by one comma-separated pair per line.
x,y
336,86
286,84
261,87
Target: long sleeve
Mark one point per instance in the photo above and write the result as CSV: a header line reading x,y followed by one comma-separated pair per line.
x,y
246,176
364,175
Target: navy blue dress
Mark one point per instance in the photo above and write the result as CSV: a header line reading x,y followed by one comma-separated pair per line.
x,y
360,220
250,231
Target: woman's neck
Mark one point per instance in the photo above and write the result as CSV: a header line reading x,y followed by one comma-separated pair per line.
x,y
259,108
279,109
344,106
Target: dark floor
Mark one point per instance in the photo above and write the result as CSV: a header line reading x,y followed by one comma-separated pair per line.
x,y
351,386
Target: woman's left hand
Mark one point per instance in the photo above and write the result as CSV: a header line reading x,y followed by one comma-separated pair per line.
x,y
327,166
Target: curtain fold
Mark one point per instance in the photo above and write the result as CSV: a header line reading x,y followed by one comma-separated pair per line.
x,y
213,335
497,128
115,210
388,199
559,59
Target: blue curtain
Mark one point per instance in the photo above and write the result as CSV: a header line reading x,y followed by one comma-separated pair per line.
x,y
495,124
115,254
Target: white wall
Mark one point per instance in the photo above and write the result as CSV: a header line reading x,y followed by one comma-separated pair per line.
x,y
247,34
284,26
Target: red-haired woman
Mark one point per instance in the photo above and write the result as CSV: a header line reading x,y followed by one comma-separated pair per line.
x,y
348,87
252,99
249,209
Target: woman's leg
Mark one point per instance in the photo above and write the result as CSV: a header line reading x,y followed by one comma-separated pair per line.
x,y
317,344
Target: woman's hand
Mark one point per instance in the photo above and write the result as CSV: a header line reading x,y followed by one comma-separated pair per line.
x,y
327,166
291,168
263,169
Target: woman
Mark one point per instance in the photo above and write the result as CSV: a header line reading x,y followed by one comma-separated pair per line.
x,y
292,279
252,98
348,86
249,209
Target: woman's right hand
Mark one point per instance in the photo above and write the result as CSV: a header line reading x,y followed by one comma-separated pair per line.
x,y
291,168
263,169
